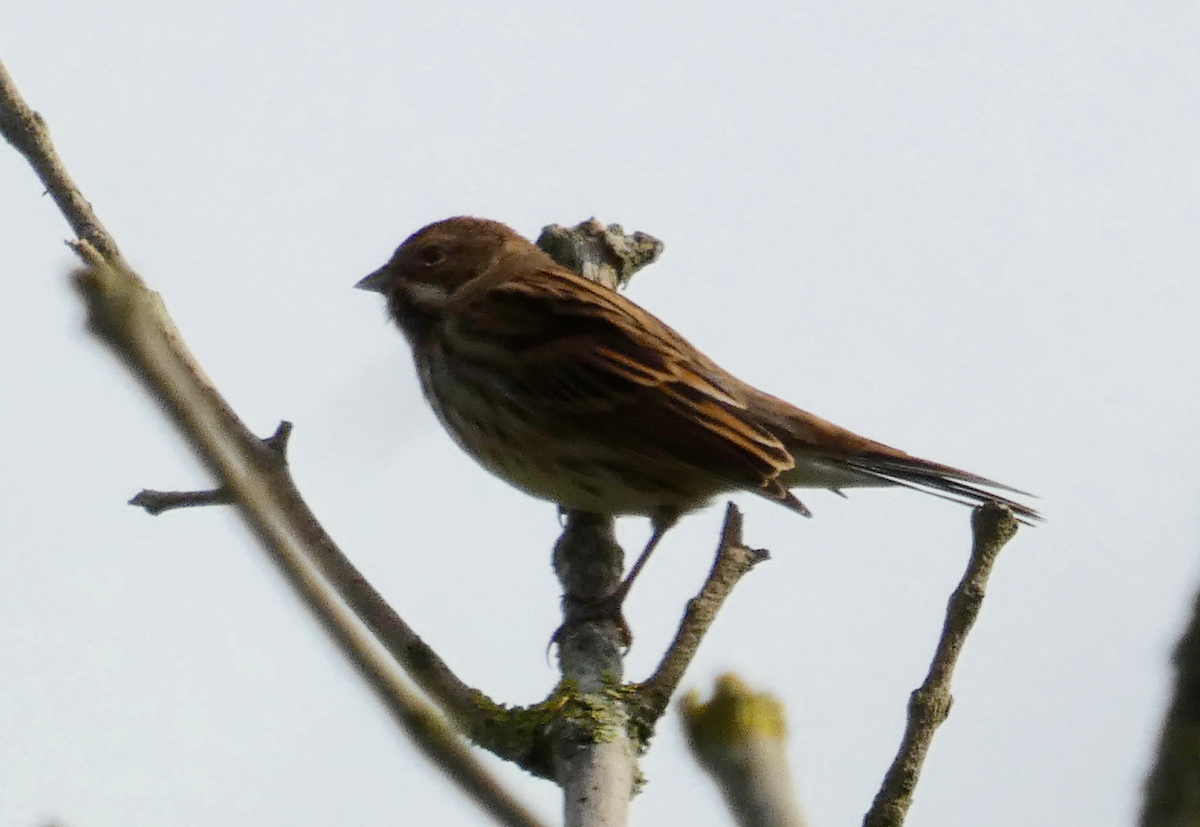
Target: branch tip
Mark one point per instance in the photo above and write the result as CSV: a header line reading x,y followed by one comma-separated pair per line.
x,y
604,254
733,561
731,529
156,502
992,526
739,737
278,441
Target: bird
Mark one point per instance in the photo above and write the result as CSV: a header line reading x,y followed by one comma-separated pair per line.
x,y
571,392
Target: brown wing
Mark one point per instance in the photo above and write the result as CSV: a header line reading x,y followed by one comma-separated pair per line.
x,y
582,352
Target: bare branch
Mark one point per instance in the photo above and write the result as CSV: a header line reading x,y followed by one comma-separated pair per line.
x,y
993,526
733,561
594,757
133,322
27,132
156,502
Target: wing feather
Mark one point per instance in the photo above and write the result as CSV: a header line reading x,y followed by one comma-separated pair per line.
x,y
580,350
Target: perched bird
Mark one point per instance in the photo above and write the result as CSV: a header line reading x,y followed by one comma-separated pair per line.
x,y
574,394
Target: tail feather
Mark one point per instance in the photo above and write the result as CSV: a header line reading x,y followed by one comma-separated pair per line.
x,y
941,481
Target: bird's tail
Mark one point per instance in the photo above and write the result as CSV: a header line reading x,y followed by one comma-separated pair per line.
x,y
940,480
829,456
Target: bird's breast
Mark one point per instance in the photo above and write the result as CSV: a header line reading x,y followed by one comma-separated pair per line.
x,y
534,451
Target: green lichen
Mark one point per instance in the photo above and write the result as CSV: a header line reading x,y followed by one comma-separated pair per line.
x,y
530,735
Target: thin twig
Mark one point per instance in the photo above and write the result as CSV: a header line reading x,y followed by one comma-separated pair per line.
x,y
133,322
156,502
27,132
732,562
993,526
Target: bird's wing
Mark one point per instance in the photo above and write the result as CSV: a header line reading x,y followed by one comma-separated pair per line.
x,y
583,351
577,350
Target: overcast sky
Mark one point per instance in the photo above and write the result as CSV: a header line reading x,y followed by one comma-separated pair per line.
x,y
968,233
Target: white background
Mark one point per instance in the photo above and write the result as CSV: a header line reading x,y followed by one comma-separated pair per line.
x,y
971,234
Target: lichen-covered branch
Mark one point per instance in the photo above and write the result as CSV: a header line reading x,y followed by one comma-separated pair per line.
x,y
605,255
594,758
740,739
596,751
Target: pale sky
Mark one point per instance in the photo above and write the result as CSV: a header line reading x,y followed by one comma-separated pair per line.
x,y
968,231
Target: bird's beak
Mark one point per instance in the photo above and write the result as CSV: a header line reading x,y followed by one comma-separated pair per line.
x,y
375,281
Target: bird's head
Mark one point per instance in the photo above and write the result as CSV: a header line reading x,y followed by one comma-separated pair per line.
x,y
434,263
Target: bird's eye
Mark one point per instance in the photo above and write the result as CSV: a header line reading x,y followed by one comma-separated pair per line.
x,y
431,255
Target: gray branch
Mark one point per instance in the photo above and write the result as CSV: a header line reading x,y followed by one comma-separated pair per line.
x,y
605,255
595,759
605,725
133,322
595,762
733,561
993,526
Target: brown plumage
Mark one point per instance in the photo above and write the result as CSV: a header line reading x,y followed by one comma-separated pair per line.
x,y
573,393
